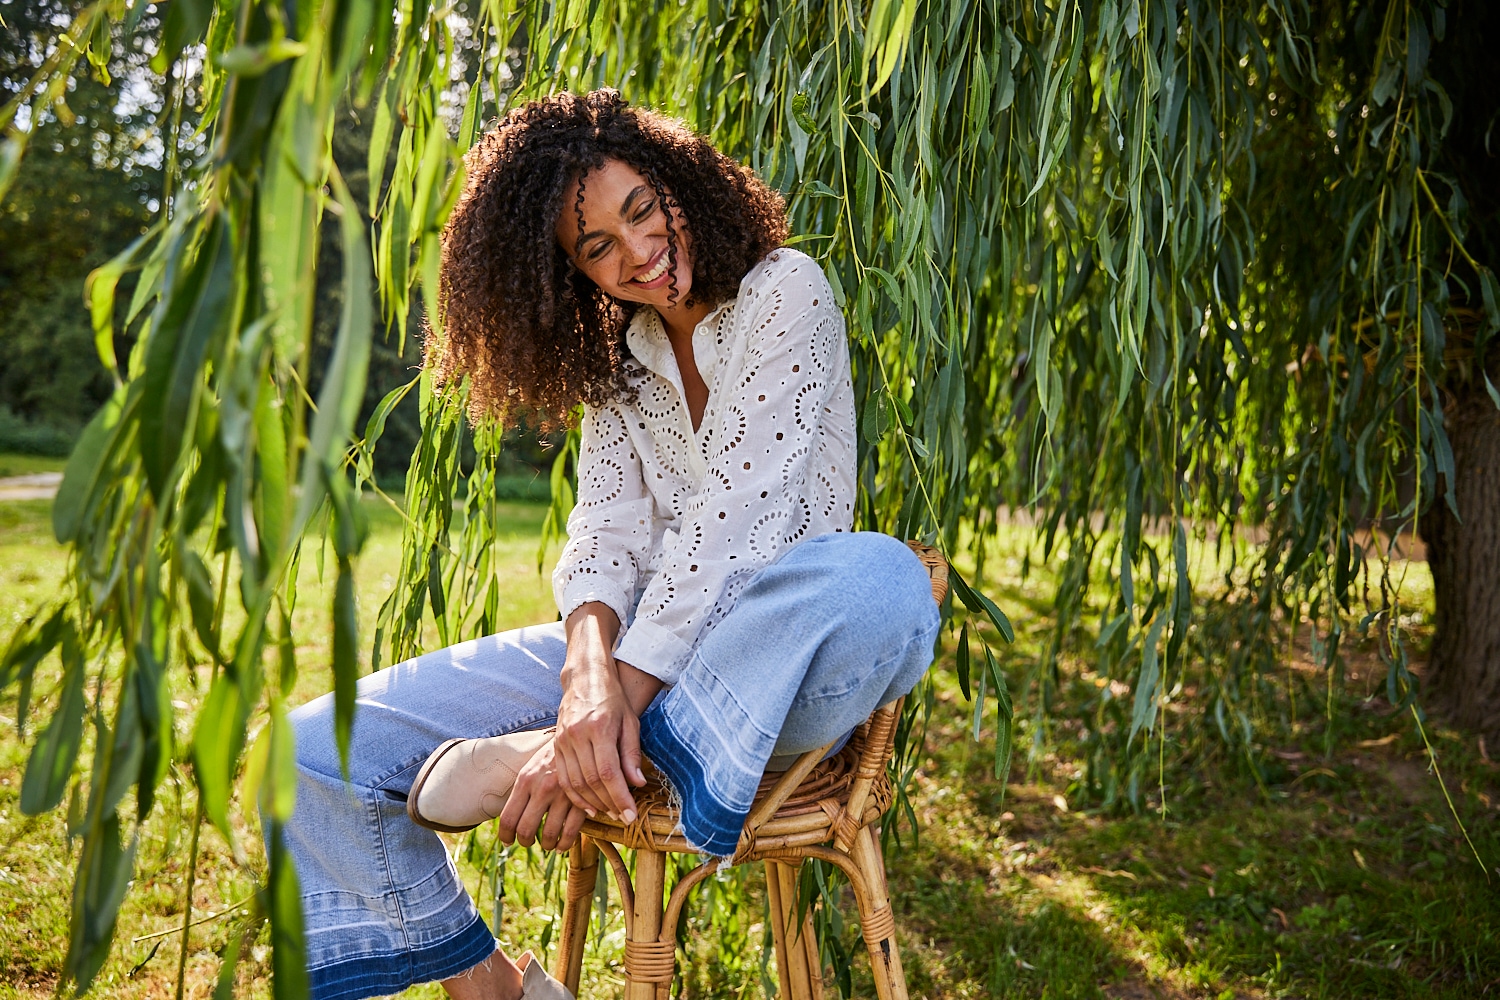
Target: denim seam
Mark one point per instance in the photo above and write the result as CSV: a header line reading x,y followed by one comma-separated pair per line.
x,y
349,892
927,633
392,891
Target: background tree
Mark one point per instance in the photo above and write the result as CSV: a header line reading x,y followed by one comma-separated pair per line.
x,y
1161,269
90,185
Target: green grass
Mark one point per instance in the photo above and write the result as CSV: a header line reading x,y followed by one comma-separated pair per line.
x,y
12,464
1344,875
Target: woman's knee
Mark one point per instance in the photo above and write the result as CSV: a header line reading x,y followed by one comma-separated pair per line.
x,y
876,569
313,735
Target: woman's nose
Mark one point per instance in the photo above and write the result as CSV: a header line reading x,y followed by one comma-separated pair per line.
x,y
639,248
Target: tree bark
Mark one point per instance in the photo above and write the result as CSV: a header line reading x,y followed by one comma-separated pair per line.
x,y
1462,679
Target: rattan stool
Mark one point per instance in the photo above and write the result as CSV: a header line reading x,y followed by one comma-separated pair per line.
x,y
816,809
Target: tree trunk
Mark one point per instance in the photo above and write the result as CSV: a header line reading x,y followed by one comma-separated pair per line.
x,y
1462,679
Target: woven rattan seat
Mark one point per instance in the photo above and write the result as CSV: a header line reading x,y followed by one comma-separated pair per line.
x,y
822,807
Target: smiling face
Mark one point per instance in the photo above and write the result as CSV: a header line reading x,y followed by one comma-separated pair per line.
x,y
623,247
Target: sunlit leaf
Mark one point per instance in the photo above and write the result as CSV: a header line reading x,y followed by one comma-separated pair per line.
x,y
51,762
962,661
217,741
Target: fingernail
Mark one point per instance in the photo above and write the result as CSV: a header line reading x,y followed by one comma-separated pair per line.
x,y
630,815
588,812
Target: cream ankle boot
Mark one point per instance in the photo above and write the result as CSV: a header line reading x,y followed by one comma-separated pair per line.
x,y
536,984
466,782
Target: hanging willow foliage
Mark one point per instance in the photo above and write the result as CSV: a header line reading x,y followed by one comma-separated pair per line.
x,y
1086,265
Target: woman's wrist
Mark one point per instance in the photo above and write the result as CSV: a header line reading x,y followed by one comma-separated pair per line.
x,y
639,687
592,630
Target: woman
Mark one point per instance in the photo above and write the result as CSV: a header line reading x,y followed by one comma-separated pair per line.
x,y
717,611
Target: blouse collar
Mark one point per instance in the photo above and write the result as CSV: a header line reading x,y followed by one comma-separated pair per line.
x,y
646,336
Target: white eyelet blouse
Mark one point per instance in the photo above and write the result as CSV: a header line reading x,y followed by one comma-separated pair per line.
x,y
671,523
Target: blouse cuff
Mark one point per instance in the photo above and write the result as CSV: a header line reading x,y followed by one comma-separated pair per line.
x,y
657,651
593,587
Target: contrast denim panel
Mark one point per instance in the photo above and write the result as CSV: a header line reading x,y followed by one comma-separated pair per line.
x,y
836,627
391,972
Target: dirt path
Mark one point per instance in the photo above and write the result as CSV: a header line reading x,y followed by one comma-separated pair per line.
x,y
39,486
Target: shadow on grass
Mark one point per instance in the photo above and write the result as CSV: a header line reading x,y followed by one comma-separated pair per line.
x,y
974,933
1346,878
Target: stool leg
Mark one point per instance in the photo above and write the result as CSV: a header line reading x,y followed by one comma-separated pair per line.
x,y
650,879
800,980
814,958
583,874
876,920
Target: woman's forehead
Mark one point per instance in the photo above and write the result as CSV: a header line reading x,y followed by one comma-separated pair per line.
x,y
606,186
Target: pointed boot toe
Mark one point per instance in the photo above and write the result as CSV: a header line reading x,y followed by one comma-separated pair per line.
x,y
536,984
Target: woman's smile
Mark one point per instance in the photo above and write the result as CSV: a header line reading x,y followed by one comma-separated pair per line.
x,y
655,275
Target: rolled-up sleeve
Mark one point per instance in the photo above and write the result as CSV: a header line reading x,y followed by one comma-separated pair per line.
x,y
609,530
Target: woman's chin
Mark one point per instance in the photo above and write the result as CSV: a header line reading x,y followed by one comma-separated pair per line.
x,y
684,288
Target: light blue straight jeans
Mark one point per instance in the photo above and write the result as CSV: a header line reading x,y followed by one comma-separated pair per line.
x,y
837,626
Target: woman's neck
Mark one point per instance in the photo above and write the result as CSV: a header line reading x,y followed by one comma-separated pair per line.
x,y
680,321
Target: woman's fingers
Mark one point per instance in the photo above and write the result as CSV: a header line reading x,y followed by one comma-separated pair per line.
x,y
630,752
594,769
570,778
560,831
528,802
571,829
533,793
609,780
577,752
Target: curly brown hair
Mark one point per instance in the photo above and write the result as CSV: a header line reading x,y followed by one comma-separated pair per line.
x,y
530,330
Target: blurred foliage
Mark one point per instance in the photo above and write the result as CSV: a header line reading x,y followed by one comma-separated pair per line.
x,y
88,189
1151,269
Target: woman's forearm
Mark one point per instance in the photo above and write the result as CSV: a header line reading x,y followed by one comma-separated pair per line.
x,y
592,630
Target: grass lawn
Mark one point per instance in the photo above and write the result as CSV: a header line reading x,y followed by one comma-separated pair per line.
x,y
1344,876
25,465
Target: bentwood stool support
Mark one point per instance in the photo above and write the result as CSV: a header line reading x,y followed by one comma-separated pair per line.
x,y
817,809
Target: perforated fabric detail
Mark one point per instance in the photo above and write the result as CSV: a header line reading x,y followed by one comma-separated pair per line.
x,y
671,523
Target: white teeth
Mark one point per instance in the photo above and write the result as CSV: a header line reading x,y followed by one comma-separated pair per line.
x,y
656,272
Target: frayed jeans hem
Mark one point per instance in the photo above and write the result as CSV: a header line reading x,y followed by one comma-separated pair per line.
x,y
383,975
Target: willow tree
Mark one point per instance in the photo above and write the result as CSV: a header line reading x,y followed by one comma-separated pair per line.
x,y
1159,268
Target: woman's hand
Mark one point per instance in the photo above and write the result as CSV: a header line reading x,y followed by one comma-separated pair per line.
x,y
537,793
598,743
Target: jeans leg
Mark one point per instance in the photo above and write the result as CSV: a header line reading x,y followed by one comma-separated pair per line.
x,y
833,629
382,902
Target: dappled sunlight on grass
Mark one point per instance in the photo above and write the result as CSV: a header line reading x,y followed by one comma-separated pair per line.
x,y
1340,874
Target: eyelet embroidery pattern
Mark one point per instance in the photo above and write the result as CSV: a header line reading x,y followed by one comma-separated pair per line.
x,y
676,522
